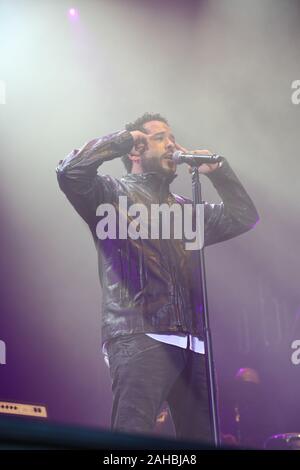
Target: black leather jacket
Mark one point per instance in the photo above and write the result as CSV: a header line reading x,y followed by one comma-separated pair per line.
x,y
149,286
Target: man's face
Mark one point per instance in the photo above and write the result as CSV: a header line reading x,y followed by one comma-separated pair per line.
x,y
161,146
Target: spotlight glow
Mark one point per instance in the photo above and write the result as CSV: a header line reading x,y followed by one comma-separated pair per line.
x,y
73,13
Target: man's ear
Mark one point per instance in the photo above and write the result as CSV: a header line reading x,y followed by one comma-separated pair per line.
x,y
135,157
137,150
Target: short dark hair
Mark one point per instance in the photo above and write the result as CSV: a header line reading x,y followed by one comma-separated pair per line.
x,y
138,125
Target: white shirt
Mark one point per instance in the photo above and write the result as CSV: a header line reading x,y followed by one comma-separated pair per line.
x,y
180,340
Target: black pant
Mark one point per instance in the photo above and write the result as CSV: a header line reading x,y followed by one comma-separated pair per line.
x,y
145,373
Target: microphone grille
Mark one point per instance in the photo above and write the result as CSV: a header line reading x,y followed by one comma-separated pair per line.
x,y
177,156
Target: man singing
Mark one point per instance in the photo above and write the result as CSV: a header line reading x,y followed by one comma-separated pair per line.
x,y
152,307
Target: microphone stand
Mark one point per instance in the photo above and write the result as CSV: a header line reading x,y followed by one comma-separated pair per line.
x,y
211,381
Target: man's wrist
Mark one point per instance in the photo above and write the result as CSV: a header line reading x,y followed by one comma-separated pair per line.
x,y
123,140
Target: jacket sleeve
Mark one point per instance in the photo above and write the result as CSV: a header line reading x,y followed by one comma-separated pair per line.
x,y
77,173
236,213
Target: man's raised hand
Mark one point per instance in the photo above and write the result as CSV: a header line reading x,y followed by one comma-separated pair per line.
x,y
140,143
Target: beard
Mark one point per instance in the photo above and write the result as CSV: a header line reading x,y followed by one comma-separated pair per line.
x,y
157,165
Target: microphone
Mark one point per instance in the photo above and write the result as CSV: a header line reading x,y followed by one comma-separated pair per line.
x,y
195,160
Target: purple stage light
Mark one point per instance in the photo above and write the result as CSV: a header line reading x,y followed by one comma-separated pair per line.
x,y
73,13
